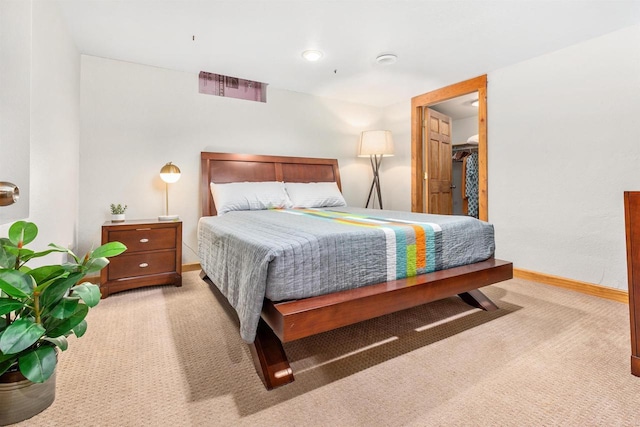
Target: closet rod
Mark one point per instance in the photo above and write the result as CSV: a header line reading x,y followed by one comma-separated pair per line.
x,y
455,149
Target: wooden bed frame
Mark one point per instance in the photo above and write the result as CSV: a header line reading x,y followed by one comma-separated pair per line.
x,y
291,320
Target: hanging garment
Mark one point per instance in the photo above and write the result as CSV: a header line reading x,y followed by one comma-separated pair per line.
x,y
463,187
471,184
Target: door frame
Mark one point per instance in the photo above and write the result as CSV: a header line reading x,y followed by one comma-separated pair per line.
x,y
419,167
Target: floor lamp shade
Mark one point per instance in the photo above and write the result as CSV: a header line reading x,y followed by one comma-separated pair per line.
x,y
375,144
169,173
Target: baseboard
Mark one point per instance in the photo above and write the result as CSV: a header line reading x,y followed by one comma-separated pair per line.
x,y
191,267
574,285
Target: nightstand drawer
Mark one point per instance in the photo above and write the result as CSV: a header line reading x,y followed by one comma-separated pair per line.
x,y
143,264
145,239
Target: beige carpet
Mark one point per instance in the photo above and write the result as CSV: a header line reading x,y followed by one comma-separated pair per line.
x,y
167,356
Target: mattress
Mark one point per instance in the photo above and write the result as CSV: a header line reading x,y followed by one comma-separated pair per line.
x,y
287,254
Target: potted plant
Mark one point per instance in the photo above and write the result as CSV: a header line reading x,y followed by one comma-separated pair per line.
x,y
39,309
117,212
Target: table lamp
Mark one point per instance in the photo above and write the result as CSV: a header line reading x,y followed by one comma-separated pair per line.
x,y
169,173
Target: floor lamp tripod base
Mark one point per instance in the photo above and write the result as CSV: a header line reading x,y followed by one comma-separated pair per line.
x,y
375,184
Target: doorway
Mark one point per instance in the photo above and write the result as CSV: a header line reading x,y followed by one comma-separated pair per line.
x,y
423,164
462,114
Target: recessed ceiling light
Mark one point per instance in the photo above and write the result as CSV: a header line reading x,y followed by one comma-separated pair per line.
x,y
386,59
312,55
475,103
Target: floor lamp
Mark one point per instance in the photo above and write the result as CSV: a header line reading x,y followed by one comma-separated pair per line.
x,y
375,144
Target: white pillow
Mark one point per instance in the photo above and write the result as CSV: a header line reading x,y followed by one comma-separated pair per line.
x,y
314,194
249,196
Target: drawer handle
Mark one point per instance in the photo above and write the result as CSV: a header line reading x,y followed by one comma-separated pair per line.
x,y
143,265
144,240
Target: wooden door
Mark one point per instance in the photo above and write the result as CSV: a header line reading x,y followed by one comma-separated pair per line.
x,y
438,162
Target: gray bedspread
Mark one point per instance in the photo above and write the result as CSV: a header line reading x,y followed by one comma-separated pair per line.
x,y
290,254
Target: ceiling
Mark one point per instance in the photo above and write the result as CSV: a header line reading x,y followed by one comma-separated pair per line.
x,y
437,42
459,107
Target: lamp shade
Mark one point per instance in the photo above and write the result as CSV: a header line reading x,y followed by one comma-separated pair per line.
x,y
376,142
170,173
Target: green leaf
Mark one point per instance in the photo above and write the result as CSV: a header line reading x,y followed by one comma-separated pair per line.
x,y
7,305
13,251
45,273
108,250
25,255
38,365
61,342
61,327
58,248
22,233
7,260
54,293
16,283
4,366
31,254
96,264
80,328
88,292
65,308
5,357
20,335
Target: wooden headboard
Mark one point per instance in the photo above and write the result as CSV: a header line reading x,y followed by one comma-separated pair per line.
x,y
226,167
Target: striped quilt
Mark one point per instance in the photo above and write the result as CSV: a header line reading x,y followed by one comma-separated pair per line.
x,y
293,254
410,245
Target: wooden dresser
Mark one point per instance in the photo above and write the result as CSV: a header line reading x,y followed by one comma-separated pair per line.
x,y
153,255
632,222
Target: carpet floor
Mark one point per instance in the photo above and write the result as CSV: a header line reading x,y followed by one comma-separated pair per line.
x,y
167,356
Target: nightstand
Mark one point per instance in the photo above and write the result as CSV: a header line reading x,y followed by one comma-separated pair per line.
x,y
153,255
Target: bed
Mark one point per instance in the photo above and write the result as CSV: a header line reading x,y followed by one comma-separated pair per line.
x,y
288,315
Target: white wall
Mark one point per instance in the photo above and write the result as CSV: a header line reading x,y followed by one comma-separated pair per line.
x,y
462,129
395,172
564,143
54,130
15,87
136,118
563,146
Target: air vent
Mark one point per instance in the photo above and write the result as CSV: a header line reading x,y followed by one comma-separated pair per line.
x,y
231,87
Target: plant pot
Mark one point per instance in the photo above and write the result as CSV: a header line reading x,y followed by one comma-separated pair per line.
x,y
117,217
21,399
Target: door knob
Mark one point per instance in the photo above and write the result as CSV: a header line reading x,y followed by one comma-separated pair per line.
x,y
9,193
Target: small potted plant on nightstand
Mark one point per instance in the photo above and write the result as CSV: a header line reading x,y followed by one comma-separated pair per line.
x,y
117,212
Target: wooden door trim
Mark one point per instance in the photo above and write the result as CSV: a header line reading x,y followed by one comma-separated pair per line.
x,y
477,84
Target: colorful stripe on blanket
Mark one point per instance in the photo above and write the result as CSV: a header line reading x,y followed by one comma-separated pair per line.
x,y
412,247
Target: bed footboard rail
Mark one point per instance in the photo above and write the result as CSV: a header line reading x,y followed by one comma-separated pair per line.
x,y
292,320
